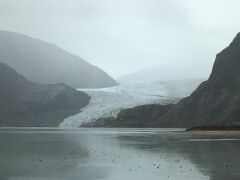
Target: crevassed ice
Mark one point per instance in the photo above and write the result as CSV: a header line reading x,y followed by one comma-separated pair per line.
x,y
108,102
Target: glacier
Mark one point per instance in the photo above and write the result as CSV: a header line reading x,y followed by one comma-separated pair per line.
x,y
108,102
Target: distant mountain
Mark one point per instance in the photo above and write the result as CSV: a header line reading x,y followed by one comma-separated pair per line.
x,y
215,102
27,104
46,63
183,88
164,73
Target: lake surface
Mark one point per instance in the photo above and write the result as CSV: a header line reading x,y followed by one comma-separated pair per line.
x,y
118,154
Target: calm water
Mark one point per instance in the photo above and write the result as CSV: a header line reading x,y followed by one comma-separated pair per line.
x,y
118,154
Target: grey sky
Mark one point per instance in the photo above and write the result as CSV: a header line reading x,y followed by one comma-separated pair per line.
x,y
123,36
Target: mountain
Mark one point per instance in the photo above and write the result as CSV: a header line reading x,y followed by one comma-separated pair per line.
x,y
215,102
164,73
27,104
46,63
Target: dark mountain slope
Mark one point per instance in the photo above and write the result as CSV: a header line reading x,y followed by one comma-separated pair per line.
x,y
27,104
216,101
46,63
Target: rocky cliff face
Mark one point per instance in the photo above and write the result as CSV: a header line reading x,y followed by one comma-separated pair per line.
x,y
42,62
215,102
27,104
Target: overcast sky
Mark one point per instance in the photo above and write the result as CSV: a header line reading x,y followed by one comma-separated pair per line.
x,y
123,36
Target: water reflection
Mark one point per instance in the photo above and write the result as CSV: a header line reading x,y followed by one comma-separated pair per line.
x,y
215,154
116,154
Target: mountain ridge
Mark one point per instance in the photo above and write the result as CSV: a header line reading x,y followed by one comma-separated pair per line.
x,y
162,73
46,63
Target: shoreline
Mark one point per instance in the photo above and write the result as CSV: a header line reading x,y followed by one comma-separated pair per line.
x,y
213,128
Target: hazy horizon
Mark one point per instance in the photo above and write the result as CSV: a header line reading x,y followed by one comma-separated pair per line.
x,y
126,36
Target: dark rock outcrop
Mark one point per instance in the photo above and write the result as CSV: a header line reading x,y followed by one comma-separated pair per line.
x,y
140,116
42,62
27,104
215,102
